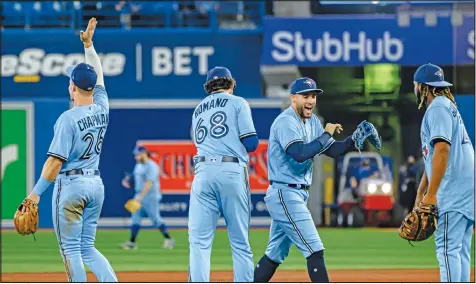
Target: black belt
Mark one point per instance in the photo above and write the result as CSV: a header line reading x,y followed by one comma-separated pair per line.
x,y
80,172
226,159
298,186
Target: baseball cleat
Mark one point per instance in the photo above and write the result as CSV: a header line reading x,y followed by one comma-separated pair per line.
x,y
169,243
128,245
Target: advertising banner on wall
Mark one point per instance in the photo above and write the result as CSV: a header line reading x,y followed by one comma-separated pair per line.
x,y
175,159
136,64
366,39
17,155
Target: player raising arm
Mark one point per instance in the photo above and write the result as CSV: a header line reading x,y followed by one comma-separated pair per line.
x,y
73,164
446,192
296,136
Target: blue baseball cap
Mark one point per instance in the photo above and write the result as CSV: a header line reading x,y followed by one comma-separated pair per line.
x,y
83,76
218,72
139,150
431,75
304,85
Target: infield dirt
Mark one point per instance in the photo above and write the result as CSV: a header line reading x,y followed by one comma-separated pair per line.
x,y
361,275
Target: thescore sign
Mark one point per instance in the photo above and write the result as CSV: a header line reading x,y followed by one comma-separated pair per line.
x,y
357,41
137,64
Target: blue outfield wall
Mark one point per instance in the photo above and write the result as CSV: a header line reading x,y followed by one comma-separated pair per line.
x,y
466,106
164,122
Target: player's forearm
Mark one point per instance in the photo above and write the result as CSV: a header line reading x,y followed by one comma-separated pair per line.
x,y
301,152
339,148
50,170
421,189
438,169
92,59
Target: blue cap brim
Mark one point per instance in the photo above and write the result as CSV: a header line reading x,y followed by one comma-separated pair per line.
x,y
69,70
319,91
439,84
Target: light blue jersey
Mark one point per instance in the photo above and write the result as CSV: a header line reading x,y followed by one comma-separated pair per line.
x,y
443,121
79,133
219,123
148,171
289,128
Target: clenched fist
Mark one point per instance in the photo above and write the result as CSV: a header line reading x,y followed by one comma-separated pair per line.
x,y
331,128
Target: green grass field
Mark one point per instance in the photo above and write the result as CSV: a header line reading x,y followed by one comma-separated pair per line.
x,y
345,249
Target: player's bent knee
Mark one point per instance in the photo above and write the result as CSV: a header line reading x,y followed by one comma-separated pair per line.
x,y
317,268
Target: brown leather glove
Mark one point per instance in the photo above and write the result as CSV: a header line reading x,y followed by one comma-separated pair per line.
x,y
419,224
26,217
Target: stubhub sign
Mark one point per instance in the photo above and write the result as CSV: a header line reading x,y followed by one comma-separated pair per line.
x,y
288,45
348,40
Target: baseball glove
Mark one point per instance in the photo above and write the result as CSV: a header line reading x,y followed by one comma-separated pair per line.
x,y
366,130
419,224
132,205
26,222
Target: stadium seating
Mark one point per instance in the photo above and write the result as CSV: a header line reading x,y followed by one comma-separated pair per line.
x,y
132,14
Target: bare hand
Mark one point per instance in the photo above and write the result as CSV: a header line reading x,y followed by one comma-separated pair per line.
x,y
33,197
331,128
87,36
125,183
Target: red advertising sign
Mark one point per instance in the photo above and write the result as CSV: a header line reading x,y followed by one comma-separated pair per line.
x,y
175,159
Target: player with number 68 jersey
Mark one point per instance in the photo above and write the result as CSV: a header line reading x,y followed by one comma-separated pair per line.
x,y
224,134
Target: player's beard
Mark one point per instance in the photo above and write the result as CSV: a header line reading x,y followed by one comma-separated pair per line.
x,y
303,111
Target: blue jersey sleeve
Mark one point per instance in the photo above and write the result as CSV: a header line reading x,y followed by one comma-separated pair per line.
x,y
246,127
320,131
62,142
440,124
100,97
287,133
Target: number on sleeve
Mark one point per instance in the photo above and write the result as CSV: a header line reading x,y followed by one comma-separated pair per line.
x,y
218,127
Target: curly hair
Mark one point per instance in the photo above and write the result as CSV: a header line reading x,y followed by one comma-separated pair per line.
x,y
435,92
219,84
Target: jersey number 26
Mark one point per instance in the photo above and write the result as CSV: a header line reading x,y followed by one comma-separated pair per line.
x,y
89,137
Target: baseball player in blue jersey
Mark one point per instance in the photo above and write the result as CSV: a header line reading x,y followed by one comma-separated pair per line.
x,y
448,180
146,185
296,136
224,134
73,163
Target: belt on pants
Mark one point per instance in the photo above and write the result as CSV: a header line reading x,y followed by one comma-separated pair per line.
x,y
298,186
81,172
226,159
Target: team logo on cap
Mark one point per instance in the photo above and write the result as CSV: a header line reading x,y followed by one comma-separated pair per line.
x,y
309,82
440,74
